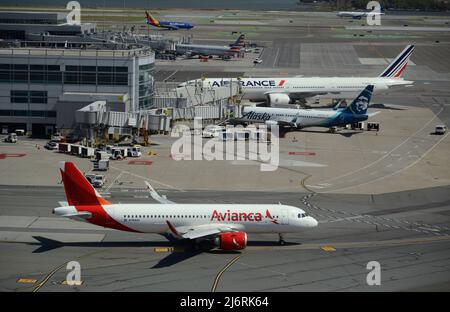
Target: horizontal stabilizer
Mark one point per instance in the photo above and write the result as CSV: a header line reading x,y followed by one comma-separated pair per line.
x,y
78,215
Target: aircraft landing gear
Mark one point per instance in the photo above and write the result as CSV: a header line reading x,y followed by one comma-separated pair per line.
x,y
281,240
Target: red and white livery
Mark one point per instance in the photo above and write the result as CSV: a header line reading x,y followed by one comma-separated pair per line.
x,y
226,225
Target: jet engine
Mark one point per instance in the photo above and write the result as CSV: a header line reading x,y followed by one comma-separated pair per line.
x,y
278,99
271,123
231,240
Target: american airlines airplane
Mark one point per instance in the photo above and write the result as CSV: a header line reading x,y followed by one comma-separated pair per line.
x,y
358,15
190,50
288,90
224,226
302,118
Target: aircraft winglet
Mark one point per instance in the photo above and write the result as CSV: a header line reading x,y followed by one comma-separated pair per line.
x,y
160,199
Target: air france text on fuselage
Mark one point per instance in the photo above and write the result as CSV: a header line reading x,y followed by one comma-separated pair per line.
x,y
249,83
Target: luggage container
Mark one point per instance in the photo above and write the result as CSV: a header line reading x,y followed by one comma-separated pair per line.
x,y
260,136
75,150
64,147
87,152
242,135
101,155
226,136
101,165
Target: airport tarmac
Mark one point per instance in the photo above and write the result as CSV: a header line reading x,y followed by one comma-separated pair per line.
x,y
378,196
407,233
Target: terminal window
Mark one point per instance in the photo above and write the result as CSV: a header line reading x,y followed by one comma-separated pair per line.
x,y
32,97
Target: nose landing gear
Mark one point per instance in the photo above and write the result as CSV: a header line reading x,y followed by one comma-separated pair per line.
x,y
281,240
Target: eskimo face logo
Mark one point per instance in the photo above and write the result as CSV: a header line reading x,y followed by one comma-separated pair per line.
x,y
362,103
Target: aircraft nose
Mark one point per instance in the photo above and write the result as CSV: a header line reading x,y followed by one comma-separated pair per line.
x,y
312,222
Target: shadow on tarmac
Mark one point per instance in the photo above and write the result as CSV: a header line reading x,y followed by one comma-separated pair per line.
x,y
187,250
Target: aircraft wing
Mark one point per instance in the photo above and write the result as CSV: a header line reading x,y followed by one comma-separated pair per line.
x,y
194,232
305,94
373,114
160,199
300,95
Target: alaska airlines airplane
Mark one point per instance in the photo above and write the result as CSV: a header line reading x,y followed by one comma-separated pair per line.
x,y
169,25
358,15
288,90
224,226
302,118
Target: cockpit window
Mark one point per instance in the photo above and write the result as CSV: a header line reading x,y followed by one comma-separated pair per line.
x,y
302,215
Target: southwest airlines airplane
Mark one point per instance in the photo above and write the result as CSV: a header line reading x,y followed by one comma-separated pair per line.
x,y
224,226
168,25
302,118
288,90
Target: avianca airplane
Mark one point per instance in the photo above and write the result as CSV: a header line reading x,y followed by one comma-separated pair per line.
x,y
224,226
288,90
302,118
169,25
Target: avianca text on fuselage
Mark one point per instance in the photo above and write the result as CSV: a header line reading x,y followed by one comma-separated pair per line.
x,y
250,83
241,216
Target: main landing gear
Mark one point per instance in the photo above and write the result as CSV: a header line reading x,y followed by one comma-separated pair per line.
x,y
281,240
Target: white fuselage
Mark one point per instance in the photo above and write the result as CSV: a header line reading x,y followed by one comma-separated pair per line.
x,y
199,49
152,218
301,117
358,14
257,89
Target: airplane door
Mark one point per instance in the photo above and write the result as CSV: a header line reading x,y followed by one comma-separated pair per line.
x,y
109,214
284,217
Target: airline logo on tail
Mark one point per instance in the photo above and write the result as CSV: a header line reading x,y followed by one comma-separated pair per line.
x,y
151,20
361,103
398,65
79,191
239,42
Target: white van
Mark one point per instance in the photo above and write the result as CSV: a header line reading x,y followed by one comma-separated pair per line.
x,y
440,129
212,131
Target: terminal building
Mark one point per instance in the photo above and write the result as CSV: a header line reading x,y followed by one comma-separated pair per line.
x,y
40,89
21,25
46,82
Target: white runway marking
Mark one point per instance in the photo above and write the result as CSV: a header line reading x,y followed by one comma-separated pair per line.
x,y
148,179
389,153
276,57
400,170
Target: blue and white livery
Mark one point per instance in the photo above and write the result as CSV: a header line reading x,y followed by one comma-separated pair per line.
x,y
302,118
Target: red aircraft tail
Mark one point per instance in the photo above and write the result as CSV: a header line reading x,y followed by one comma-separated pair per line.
x,y
79,191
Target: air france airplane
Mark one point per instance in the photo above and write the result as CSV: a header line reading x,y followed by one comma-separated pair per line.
x,y
169,25
224,226
302,118
278,91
